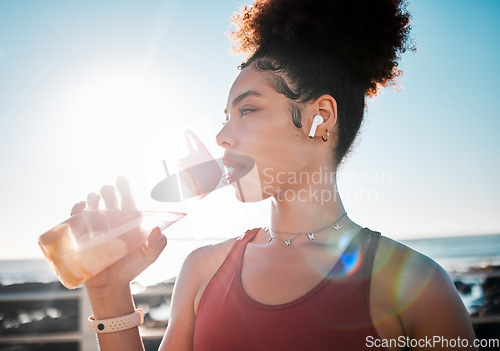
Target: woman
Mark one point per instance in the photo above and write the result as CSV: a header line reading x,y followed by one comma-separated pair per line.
x,y
313,280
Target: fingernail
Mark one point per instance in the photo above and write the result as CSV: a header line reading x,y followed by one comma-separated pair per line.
x,y
93,200
156,233
107,190
78,207
122,182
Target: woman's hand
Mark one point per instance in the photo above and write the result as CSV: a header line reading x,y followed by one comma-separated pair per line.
x,y
120,274
109,291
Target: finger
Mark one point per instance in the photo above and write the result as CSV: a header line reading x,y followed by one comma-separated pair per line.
x,y
126,198
93,201
132,265
108,194
78,207
155,245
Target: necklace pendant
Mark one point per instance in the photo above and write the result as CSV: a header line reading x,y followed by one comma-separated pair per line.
x,y
310,236
288,242
270,239
336,226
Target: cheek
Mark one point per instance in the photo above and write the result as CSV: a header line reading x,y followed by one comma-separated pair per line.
x,y
281,152
273,141
272,156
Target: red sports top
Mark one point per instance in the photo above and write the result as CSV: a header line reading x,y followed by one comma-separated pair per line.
x,y
334,315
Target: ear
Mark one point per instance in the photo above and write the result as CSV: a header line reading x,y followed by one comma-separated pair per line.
x,y
326,106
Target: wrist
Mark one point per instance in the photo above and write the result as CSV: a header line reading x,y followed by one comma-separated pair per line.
x,y
107,290
116,324
110,302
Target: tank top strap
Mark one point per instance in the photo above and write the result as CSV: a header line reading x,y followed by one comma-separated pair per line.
x,y
241,242
372,242
249,235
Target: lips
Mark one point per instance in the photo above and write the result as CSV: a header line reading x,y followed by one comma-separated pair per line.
x,y
237,166
231,161
205,178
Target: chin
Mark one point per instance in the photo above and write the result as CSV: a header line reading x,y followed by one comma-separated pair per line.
x,y
249,188
248,196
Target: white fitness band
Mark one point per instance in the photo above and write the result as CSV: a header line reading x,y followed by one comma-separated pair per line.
x,y
112,325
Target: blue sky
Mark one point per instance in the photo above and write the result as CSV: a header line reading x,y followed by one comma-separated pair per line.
x,y
72,73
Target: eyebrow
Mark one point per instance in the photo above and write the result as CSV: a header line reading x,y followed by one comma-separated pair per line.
x,y
243,96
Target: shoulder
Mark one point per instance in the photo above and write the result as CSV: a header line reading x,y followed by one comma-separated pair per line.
x,y
393,256
416,288
207,258
203,263
410,272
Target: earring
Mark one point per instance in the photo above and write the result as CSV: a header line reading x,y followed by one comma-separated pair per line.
x,y
327,136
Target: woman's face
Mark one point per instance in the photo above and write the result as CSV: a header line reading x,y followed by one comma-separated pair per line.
x,y
259,125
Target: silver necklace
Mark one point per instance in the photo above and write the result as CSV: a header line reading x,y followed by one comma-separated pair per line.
x,y
273,234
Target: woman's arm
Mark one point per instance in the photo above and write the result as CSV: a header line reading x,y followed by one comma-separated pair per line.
x,y
180,330
413,299
437,312
109,291
109,304
112,300
110,296
197,271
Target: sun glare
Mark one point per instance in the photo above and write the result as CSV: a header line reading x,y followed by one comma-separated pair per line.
x,y
113,116
122,119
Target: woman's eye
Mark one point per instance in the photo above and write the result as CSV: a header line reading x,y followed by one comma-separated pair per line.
x,y
245,110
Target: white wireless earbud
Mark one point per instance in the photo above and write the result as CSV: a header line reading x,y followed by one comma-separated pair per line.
x,y
316,122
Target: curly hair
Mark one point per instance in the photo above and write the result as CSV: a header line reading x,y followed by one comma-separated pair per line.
x,y
345,48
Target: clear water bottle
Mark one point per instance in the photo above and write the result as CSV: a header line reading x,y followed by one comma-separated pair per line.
x,y
89,242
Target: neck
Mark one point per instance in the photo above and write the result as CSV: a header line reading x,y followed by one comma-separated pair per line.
x,y
306,208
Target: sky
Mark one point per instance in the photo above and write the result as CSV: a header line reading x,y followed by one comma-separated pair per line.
x,y
89,89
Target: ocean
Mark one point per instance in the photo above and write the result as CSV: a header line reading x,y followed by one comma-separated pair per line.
x,y
454,254
459,254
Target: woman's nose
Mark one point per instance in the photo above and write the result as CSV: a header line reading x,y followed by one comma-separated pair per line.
x,y
226,137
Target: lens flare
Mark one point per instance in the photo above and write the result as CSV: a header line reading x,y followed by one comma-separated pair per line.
x,y
351,261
